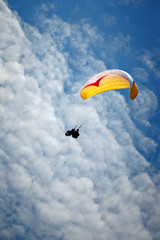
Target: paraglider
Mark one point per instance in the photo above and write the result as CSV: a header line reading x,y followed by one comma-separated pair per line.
x,y
73,132
105,81
109,80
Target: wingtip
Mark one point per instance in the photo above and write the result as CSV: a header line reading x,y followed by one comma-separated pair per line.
x,y
134,91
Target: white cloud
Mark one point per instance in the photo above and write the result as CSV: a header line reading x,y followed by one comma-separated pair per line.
x,y
148,58
115,44
136,2
140,74
45,7
56,187
126,2
109,20
145,106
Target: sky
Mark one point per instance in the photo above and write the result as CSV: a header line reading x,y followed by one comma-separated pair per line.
x,y
105,184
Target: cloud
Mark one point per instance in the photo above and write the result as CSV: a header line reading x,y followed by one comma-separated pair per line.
x,y
145,106
140,74
148,59
136,2
45,7
114,45
55,187
126,2
109,20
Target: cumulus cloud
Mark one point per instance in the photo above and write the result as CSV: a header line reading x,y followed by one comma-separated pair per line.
x,y
55,187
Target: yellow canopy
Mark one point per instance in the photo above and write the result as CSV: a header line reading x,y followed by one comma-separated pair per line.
x,y
109,80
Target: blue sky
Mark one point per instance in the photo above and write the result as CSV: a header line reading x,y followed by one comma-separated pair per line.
x,y
105,184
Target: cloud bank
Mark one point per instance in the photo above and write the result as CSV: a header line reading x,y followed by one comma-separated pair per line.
x,y
53,187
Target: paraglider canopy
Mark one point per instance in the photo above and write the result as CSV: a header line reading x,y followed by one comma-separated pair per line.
x,y
109,80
